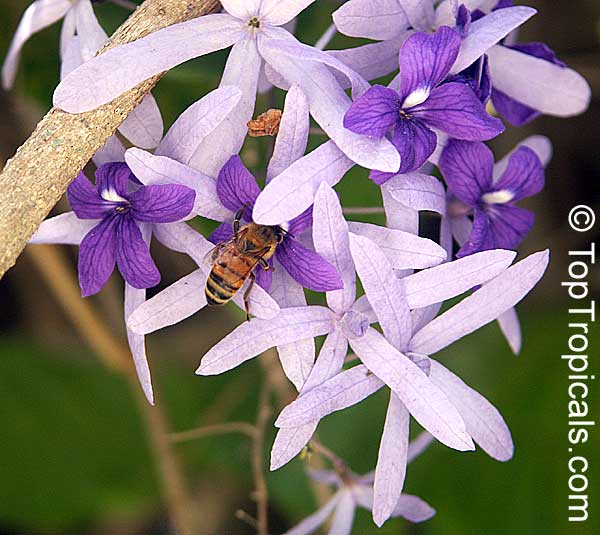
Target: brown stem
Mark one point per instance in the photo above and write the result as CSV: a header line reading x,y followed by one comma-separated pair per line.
x,y
54,268
132,6
217,429
363,210
261,492
35,178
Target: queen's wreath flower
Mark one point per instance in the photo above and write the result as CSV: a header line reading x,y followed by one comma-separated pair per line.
x,y
384,301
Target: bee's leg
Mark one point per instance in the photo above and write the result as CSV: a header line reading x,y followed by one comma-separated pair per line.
x,y
265,265
247,295
238,218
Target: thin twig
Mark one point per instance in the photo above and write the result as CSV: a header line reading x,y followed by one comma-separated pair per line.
x,y
132,6
36,177
338,463
211,430
317,131
54,268
261,491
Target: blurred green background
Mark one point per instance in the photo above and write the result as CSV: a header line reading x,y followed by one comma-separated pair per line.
x,y
74,454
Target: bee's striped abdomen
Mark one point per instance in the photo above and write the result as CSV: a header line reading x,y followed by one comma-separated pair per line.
x,y
224,281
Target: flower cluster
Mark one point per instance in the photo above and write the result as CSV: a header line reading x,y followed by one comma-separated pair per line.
x,y
421,137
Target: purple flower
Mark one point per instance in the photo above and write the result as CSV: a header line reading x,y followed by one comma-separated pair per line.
x,y
422,104
468,169
238,189
117,238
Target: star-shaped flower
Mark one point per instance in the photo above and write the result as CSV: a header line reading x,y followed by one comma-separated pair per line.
x,y
423,102
254,29
468,169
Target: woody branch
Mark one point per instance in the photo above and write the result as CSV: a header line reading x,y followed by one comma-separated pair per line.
x,y
36,177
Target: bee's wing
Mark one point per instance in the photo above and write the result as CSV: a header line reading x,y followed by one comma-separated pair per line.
x,y
215,253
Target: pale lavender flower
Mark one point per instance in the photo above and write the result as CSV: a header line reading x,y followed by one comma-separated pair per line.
x,y
355,491
254,30
401,359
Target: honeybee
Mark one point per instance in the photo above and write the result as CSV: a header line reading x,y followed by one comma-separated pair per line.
x,y
234,261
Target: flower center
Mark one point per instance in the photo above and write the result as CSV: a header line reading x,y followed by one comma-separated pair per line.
x,y
254,22
498,197
418,96
354,324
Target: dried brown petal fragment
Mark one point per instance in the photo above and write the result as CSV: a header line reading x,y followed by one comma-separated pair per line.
x,y
266,124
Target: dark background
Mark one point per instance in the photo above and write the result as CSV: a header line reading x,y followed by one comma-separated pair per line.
x,y
74,454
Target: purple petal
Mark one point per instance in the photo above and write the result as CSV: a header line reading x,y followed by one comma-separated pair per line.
x,y
152,170
541,145
383,290
374,113
289,442
308,268
170,306
293,191
85,200
261,304
489,30
340,392
524,175
37,16
97,256
372,19
486,304
292,138
64,228
126,66
398,215
537,83
499,227
162,204
236,187
241,9
511,329
420,14
311,523
425,401
391,461
414,509
221,234
512,110
415,143
90,33
425,61
113,179
197,122
467,168
264,277
302,222
331,241
133,255
256,336
242,70
133,299
484,422
402,249
455,109
448,280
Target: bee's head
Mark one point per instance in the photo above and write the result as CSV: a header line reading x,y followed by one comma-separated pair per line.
x,y
281,233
